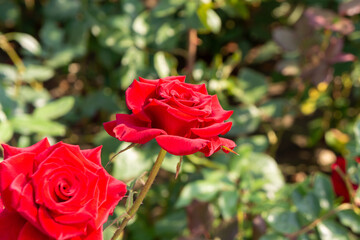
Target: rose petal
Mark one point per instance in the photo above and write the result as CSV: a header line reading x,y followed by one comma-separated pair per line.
x,y
59,231
11,224
109,127
116,191
218,113
179,145
216,144
29,232
213,130
20,164
94,155
131,129
93,235
138,93
36,148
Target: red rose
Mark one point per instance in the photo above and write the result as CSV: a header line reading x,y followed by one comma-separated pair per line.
x,y
338,183
182,117
57,192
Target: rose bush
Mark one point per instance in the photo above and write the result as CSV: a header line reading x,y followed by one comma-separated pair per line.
x,y
338,183
182,117
55,192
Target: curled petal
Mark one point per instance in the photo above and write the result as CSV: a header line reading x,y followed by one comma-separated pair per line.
x,y
213,130
216,144
218,113
93,155
36,148
179,145
131,129
138,93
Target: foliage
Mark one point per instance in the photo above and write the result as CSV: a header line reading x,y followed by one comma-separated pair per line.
x,y
286,68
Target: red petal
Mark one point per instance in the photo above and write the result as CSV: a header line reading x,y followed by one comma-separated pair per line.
x,y
218,113
11,224
93,235
93,155
138,93
131,129
109,127
29,232
36,148
179,145
59,231
213,130
21,164
116,190
149,81
216,144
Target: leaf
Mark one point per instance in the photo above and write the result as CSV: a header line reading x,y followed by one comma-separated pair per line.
x,y
246,120
259,143
329,229
61,9
141,23
26,41
171,225
253,85
8,73
165,64
27,124
307,205
274,107
55,109
140,162
323,191
284,221
37,72
201,190
6,131
228,201
273,236
209,18
350,219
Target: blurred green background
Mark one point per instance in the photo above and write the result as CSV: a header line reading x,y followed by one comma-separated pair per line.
x,y
287,68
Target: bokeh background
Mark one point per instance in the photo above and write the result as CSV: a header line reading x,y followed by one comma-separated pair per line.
x,y
288,69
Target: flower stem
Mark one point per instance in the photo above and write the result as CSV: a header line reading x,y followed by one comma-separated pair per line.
x,y
154,171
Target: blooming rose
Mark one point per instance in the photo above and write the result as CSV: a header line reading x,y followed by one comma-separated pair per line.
x,y
182,117
55,192
338,183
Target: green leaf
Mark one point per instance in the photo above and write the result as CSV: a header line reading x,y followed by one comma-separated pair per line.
x,y
26,41
6,131
61,9
307,205
55,109
273,236
228,204
284,221
201,190
253,85
246,120
8,73
165,64
37,72
274,107
126,170
323,191
27,124
350,219
171,225
259,143
141,23
329,229
209,18
51,35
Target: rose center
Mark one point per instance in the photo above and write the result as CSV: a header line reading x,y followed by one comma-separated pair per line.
x,y
64,191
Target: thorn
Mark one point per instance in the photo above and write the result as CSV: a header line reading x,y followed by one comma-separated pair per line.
x,y
178,167
230,150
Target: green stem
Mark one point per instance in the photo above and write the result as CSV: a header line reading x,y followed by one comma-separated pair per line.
x,y
154,171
